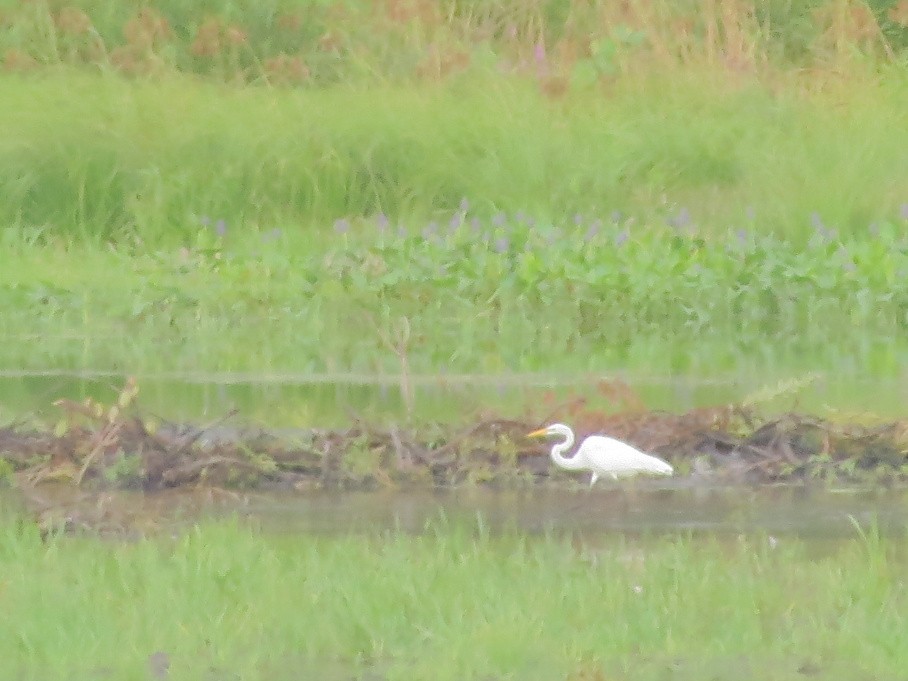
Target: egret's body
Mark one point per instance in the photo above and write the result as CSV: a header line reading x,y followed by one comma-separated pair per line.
x,y
602,455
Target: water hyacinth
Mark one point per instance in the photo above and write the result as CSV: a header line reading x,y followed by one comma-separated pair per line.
x,y
272,235
665,288
681,220
455,223
847,261
430,231
342,226
817,222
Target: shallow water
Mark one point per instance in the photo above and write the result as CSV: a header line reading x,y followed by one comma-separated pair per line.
x,y
607,510
643,508
331,401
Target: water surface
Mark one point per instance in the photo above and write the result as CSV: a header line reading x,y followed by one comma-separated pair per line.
x,y
333,401
645,507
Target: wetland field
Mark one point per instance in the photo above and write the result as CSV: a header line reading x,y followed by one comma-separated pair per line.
x,y
285,284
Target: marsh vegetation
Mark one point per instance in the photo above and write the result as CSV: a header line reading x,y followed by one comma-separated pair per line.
x,y
600,206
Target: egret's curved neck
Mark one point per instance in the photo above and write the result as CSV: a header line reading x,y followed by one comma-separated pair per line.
x,y
561,447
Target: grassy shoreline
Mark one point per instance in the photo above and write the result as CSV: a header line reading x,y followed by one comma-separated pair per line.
x,y
455,603
504,299
682,213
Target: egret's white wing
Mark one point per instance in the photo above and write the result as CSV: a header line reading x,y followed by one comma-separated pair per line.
x,y
608,456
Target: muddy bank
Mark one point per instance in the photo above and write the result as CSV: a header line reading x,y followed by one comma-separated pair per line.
x,y
96,446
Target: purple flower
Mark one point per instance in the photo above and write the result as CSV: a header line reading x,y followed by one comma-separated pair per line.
x,y
499,219
382,222
402,231
430,231
456,222
220,228
681,220
847,261
750,213
519,216
475,225
502,244
539,54
621,237
824,233
874,229
742,236
205,221
272,235
464,205
617,216
578,219
342,226
592,233
903,211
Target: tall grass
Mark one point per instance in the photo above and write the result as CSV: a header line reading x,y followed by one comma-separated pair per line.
x,y
97,158
455,603
170,175
305,42
124,121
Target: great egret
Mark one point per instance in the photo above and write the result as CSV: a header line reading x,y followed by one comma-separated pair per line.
x,y
601,455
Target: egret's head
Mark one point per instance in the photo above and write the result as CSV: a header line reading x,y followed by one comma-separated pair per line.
x,y
554,429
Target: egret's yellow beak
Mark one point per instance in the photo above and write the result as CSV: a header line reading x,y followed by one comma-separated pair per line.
x,y
537,433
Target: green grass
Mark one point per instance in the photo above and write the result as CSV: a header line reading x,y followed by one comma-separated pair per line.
x,y
455,603
93,158
647,197
489,298
306,42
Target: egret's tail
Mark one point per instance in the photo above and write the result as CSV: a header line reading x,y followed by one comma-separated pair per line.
x,y
664,469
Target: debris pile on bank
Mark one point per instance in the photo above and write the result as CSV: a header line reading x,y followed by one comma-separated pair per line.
x,y
112,446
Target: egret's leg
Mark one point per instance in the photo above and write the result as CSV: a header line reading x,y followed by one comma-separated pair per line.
x,y
593,479
614,477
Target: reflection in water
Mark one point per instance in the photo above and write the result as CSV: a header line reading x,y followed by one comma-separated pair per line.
x,y
643,509
277,401
648,507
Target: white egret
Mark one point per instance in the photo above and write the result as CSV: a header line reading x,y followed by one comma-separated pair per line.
x,y
601,455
